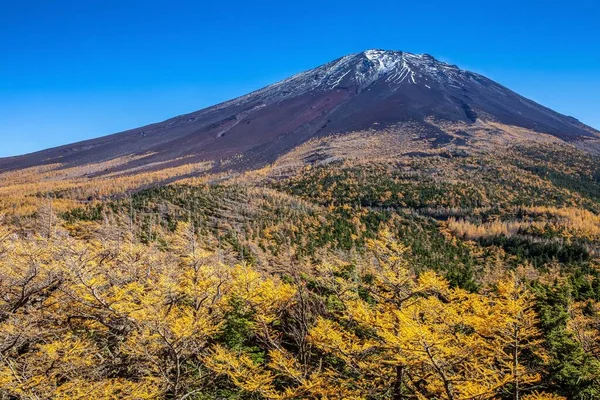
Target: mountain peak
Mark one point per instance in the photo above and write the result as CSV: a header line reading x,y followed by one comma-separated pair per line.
x,y
372,89
374,54
386,55
358,71
393,67
386,61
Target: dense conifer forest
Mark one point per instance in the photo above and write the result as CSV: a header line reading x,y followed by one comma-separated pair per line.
x,y
443,273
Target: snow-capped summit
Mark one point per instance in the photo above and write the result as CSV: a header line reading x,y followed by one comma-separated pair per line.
x,y
372,89
359,70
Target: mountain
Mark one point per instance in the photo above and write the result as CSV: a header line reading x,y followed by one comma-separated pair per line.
x,y
374,89
385,226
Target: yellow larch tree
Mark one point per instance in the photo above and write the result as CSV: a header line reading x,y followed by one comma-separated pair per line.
x,y
414,336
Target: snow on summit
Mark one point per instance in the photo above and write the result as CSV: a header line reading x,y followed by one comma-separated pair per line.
x,y
361,70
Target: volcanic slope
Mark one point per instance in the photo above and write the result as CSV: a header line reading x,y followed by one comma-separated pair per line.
x,y
371,90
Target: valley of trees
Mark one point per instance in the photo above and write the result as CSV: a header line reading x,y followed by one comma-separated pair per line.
x,y
445,275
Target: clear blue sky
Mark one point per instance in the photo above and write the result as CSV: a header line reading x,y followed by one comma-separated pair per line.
x,y
72,70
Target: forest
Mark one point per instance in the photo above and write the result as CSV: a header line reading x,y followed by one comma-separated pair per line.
x,y
444,274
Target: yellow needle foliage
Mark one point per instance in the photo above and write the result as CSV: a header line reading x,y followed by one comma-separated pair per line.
x,y
422,338
110,318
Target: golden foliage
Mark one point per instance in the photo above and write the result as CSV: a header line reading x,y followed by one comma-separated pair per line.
x,y
109,319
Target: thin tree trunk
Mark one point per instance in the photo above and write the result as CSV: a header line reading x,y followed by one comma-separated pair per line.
x,y
516,365
398,384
